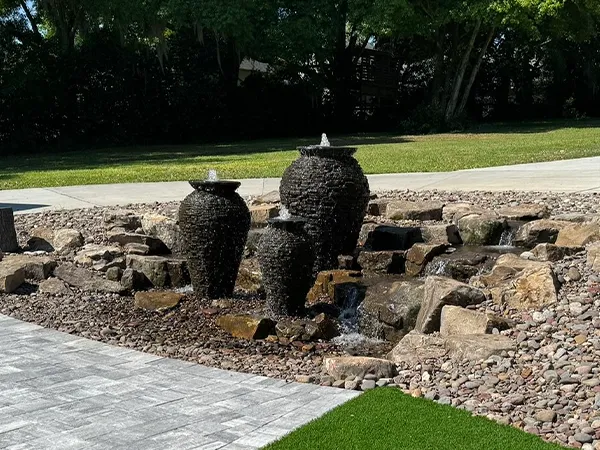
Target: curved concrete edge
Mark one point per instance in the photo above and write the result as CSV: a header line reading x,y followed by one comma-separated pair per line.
x,y
576,175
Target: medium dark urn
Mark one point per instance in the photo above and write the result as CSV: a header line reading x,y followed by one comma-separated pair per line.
x,y
214,223
327,187
286,259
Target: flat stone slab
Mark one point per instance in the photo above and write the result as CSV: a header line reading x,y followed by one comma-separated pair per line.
x,y
63,391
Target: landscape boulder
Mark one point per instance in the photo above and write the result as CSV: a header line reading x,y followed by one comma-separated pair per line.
x,y
11,277
420,255
134,280
85,280
477,347
375,237
524,212
593,257
34,267
122,219
382,261
390,309
441,291
54,286
321,327
578,235
155,245
406,210
246,326
164,229
416,348
459,321
160,271
60,241
331,286
343,367
461,265
453,212
157,301
478,229
538,232
441,234
552,252
260,214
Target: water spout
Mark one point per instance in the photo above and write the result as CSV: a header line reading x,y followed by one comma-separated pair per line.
x,y
284,214
324,141
212,175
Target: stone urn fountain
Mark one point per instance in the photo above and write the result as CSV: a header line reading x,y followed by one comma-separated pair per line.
x,y
328,188
214,223
286,259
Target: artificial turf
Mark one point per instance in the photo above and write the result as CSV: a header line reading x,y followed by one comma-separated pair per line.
x,y
387,419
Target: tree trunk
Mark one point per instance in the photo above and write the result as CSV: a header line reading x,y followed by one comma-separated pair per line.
x,y
438,73
8,234
460,74
474,72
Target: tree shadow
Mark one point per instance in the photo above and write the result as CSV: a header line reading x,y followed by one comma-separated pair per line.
x,y
533,127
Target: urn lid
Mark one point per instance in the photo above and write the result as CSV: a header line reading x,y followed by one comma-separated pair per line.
x,y
327,151
221,186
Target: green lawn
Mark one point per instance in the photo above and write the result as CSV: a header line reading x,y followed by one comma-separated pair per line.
x,y
387,419
484,147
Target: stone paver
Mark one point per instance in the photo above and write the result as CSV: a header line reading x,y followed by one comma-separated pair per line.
x,y
575,175
59,391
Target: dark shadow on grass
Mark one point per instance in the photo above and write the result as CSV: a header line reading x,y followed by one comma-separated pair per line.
x,y
532,127
21,206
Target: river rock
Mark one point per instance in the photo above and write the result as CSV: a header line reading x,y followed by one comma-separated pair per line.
x,y
578,235
382,261
538,232
85,280
390,309
406,210
375,237
441,291
358,366
122,219
525,212
415,348
34,267
11,277
441,234
460,321
475,347
165,229
420,255
478,229
246,326
157,301
593,257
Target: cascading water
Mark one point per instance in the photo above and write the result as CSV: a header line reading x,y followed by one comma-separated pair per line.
x,y
507,238
437,267
348,322
284,213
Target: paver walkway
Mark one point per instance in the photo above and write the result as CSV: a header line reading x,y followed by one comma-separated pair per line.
x,y
558,176
59,391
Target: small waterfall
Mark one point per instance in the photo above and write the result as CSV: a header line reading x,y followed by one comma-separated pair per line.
x,y
348,323
437,267
507,238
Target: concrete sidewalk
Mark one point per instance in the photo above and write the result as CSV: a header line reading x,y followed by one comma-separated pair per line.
x,y
576,175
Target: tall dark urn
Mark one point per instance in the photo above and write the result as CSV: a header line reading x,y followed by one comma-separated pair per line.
x,y
286,259
214,223
328,188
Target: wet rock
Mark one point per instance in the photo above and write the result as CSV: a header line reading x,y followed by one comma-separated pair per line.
x,y
358,366
440,291
578,235
525,212
11,277
122,219
390,309
249,279
260,214
157,301
254,236
475,347
420,255
415,348
246,326
460,321
34,267
481,229
382,261
374,237
460,265
164,229
332,286
406,210
54,286
538,232
85,280
441,234
552,252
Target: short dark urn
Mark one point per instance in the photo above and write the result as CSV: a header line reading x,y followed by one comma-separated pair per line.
x,y
214,223
286,258
327,187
